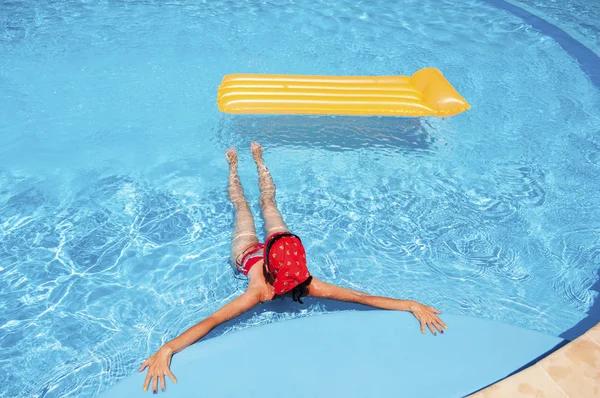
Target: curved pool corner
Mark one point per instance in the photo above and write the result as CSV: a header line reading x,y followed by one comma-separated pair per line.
x,y
351,354
586,57
571,371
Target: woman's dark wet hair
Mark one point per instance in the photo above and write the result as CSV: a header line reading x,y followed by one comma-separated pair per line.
x,y
301,290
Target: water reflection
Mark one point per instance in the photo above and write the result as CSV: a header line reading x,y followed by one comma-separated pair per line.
x,y
336,133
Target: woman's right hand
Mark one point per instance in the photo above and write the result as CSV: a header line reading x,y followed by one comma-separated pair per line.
x,y
158,366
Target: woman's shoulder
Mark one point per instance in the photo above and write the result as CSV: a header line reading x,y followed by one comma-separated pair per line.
x,y
259,286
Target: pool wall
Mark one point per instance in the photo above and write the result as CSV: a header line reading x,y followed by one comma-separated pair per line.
x,y
587,59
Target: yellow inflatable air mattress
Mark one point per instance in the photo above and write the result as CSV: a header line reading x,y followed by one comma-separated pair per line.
x,y
426,93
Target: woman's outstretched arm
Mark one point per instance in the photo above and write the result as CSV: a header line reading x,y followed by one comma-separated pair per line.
x,y
425,315
159,363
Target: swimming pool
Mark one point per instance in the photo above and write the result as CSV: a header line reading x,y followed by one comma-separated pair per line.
x,y
114,218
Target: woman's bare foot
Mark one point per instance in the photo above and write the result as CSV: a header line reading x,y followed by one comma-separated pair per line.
x,y
257,151
231,156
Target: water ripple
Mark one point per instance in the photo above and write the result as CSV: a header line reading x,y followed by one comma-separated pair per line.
x,y
114,218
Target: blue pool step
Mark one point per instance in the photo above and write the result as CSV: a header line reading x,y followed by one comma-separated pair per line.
x,y
349,354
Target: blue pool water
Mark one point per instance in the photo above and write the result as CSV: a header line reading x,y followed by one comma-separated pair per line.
x,y
114,217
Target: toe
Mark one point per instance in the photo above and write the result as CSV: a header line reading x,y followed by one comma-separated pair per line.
x,y
231,155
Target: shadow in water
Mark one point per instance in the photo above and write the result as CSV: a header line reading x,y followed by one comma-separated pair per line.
x,y
592,318
338,133
285,306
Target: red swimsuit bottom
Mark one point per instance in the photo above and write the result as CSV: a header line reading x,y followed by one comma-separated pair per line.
x,y
251,256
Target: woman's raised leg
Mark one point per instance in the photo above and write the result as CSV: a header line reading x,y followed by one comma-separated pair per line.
x,y
273,220
244,231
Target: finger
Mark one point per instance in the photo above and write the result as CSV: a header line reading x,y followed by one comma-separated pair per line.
x,y
147,381
438,326
172,376
155,384
163,386
144,365
435,311
422,326
431,328
441,322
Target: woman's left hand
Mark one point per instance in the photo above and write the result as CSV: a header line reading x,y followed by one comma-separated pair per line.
x,y
427,316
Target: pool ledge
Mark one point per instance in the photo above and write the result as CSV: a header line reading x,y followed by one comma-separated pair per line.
x,y
572,371
350,354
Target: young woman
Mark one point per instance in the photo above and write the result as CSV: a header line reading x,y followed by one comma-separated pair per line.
x,y
274,268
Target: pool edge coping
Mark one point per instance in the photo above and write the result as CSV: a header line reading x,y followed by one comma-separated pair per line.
x,y
563,373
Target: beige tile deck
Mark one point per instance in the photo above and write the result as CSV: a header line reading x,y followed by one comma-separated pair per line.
x,y
594,333
576,367
532,382
573,371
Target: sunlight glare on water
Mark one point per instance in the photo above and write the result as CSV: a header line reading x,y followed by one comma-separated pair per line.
x,y
114,216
